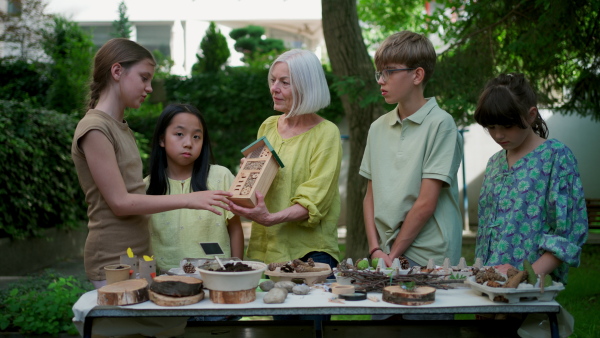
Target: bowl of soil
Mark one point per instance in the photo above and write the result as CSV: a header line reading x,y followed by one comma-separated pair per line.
x,y
237,276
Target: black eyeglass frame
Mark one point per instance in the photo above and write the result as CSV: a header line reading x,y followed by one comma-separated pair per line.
x,y
388,72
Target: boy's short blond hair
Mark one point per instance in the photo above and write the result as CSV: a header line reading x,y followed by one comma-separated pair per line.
x,y
407,48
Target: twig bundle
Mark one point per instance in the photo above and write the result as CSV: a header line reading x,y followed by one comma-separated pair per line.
x,y
366,280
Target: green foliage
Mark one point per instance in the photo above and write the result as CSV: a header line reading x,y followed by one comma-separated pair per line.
x,y
554,43
214,49
258,52
41,305
143,121
163,65
234,103
122,26
23,81
38,183
71,52
381,18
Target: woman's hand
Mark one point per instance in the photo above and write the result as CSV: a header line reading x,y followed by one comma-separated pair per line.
x,y
503,268
259,214
210,199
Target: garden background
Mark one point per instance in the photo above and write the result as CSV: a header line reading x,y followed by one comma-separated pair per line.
x,y
43,94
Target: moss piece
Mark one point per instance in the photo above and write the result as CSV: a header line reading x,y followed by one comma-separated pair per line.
x,y
531,275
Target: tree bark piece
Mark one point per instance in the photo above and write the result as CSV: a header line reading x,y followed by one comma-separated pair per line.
x,y
127,292
176,286
420,296
233,297
163,300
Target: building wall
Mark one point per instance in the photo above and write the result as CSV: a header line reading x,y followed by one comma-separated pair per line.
x,y
177,29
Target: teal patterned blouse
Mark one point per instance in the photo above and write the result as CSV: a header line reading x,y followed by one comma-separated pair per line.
x,y
536,206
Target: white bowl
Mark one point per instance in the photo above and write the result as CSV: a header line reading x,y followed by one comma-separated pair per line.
x,y
232,281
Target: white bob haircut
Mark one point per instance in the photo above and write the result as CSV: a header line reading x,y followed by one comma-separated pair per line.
x,y
310,91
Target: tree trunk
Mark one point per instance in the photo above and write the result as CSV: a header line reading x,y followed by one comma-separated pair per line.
x,y
352,65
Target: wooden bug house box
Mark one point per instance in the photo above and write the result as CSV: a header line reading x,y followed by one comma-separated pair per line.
x,y
256,174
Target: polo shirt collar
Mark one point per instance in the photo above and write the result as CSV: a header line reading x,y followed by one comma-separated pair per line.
x,y
417,117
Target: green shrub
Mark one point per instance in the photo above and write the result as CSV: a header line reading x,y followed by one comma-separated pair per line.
x,y
143,121
69,70
38,182
234,103
41,305
23,81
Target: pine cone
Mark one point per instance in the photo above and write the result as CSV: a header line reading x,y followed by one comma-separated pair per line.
x,y
488,275
404,264
274,266
308,268
287,268
189,268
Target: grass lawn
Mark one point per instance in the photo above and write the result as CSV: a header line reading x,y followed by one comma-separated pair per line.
x,y
581,296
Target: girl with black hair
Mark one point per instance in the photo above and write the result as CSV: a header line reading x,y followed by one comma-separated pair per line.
x,y
180,163
531,204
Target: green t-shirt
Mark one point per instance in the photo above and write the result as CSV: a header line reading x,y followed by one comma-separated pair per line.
x,y
398,155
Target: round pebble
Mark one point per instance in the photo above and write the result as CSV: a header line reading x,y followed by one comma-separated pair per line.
x,y
267,285
285,285
301,289
275,296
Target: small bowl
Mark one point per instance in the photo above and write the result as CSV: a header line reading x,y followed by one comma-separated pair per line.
x,y
232,281
310,278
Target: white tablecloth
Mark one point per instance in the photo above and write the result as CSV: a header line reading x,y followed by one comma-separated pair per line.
x,y
459,300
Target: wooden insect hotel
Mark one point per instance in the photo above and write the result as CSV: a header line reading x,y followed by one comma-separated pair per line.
x,y
257,173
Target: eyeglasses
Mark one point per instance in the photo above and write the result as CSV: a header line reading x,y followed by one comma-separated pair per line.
x,y
386,73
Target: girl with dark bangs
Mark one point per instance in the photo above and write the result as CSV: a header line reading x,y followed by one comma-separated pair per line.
x,y
531,204
181,163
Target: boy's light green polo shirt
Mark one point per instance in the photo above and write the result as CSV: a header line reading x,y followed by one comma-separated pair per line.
x,y
398,155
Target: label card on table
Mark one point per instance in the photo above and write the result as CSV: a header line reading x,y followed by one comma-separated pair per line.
x,y
212,249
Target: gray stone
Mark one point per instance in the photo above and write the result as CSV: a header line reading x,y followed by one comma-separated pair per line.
x,y
275,296
285,285
267,285
301,289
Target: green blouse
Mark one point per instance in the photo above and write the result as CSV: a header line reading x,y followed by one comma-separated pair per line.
x,y
176,234
310,178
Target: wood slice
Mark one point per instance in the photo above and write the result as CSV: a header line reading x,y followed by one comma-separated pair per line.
x,y
176,286
127,292
163,300
397,295
233,297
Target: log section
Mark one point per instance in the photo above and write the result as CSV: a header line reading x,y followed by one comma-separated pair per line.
x,y
127,292
176,286
397,295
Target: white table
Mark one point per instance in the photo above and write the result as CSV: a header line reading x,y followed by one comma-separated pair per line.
x,y
455,301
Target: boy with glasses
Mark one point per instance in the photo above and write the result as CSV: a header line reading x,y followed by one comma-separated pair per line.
x,y
411,161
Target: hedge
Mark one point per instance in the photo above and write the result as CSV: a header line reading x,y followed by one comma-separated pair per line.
x,y
234,103
38,183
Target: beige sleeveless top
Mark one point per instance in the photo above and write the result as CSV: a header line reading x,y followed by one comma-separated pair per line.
x,y
109,235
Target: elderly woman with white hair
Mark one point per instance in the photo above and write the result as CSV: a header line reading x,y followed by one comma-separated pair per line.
x,y
298,216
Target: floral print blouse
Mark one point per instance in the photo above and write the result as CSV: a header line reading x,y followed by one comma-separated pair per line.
x,y
535,206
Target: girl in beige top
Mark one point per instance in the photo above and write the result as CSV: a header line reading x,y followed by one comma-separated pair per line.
x,y
109,166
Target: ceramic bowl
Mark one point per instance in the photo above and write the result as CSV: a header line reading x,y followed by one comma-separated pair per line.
x,y
231,281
